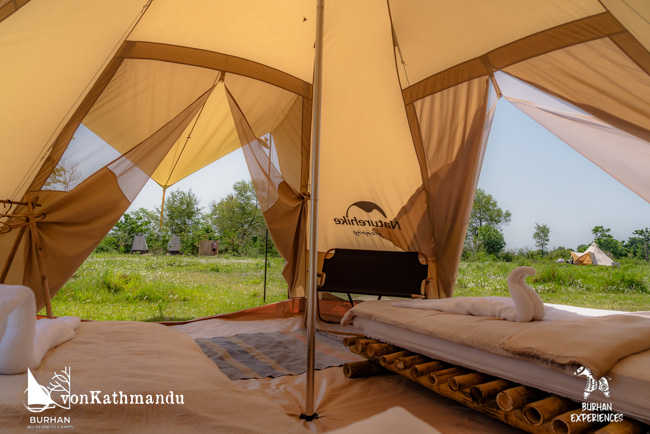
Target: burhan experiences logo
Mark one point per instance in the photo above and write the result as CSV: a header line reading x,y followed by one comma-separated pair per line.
x,y
366,214
595,411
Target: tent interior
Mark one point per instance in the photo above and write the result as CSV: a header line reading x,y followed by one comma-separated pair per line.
x,y
105,96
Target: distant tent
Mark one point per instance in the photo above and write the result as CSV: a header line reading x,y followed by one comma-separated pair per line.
x,y
593,255
139,244
174,245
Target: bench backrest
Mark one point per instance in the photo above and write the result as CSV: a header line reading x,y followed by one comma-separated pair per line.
x,y
397,274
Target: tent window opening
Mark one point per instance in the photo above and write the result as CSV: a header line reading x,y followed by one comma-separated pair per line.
x,y
85,155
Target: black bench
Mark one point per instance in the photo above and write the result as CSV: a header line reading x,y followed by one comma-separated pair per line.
x,y
371,272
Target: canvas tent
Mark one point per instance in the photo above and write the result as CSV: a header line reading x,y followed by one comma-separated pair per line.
x,y
98,97
593,255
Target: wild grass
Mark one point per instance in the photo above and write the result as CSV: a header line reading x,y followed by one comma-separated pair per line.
x,y
160,288
625,288
164,288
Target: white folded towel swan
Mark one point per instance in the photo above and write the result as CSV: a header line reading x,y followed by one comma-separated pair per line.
x,y
523,305
23,340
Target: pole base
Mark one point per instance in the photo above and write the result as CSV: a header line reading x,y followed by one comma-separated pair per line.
x,y
309,418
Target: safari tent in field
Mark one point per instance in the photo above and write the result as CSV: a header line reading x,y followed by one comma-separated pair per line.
x,y
592,256
363,124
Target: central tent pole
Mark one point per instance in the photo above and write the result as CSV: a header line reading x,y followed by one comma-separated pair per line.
x,y
310,414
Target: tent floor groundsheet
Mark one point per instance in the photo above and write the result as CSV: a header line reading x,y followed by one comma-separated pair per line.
x,y
340,401
110,364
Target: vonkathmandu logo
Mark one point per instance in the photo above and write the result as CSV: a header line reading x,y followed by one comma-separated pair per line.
x,y
595,411
368,208
58,394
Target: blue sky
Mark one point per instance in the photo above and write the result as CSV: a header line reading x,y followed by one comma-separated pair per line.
x,y
528,170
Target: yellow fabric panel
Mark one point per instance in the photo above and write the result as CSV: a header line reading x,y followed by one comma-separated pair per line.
x,y
277,34
142,97
436,35
265,106
634,15
367,153
8,7
51,51
212,137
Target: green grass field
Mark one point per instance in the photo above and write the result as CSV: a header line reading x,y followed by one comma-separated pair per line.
x,y
159,288
625,288
167,288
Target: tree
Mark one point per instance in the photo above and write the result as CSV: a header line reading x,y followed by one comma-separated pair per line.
x,y
607,242
140,221
182,216
541,236
238,221
491,240
641,241
485,211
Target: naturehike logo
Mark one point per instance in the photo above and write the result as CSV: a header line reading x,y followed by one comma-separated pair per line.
x,y
590,409
367,218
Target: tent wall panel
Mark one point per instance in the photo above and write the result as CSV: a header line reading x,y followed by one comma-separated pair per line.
x,y
77,220
367,154
52,52
454,125
283,208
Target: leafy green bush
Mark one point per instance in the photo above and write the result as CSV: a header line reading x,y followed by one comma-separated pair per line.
x,y
559,253
491,240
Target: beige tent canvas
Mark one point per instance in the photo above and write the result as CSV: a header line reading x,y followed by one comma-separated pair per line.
x,y
103,97
593,255
99,97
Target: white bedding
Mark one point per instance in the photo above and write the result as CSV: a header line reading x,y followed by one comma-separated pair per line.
x,y
630,384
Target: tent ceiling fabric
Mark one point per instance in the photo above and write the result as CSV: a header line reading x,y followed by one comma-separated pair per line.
x,y
461,30
408,98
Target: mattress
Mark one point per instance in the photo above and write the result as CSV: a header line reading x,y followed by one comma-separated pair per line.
x,y
630,377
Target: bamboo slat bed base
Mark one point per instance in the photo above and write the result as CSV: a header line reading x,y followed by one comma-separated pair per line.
x,y
522,407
